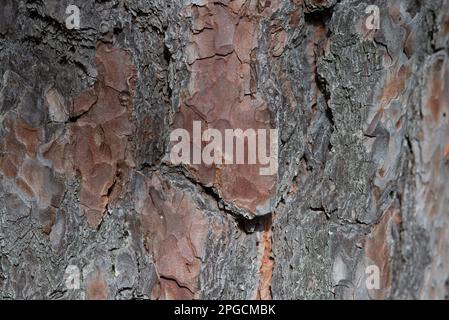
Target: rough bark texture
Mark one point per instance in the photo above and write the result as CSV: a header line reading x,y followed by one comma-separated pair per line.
x,y
363,119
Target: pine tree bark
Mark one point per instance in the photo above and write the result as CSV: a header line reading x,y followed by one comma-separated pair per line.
x,y
87,188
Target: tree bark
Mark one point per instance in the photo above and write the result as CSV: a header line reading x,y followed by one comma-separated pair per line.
x,y
88,190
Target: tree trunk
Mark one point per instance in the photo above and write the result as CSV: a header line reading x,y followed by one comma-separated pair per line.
x,y
92,205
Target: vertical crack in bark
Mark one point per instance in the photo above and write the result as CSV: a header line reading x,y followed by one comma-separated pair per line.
x,y
266,264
